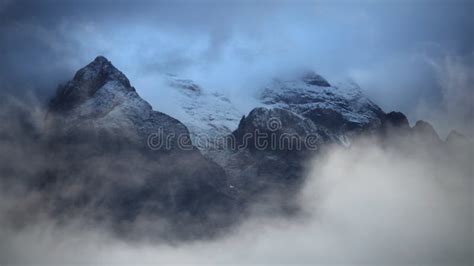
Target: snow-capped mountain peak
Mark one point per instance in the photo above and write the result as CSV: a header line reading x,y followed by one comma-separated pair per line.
x,y
338,108
89,80
309,95
207,114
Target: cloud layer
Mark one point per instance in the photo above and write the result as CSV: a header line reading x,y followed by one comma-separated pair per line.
x,y
369,204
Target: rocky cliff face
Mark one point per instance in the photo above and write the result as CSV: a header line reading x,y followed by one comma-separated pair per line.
x,y
271,147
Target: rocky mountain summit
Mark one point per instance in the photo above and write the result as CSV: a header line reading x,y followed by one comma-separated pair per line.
x,y
101,97
341,109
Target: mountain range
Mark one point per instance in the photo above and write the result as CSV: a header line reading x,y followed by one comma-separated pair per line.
x,y
202,168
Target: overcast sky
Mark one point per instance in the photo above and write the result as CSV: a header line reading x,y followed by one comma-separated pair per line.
x,y
413,56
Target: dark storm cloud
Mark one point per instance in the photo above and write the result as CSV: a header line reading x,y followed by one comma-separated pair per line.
x,y
389,47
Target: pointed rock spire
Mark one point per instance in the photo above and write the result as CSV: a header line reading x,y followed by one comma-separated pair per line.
x,y
86,82
101,69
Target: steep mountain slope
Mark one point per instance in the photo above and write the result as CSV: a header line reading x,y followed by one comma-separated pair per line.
x,y
100,145
101,97
266,153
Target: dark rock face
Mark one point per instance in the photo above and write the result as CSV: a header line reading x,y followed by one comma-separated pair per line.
x,y
100,144
396,119
329,118
86,82
275,130
312,78
272,147
395,125
425,131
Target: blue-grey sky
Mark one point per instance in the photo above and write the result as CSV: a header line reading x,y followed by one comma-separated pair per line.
x,y
413,56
